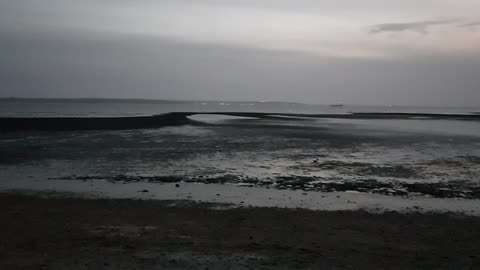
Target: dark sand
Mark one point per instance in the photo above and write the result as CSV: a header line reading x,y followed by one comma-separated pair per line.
x,y
69,233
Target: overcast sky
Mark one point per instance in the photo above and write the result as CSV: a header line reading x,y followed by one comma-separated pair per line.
x,y
409,52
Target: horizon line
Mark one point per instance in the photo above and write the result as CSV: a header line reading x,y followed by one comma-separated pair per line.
x,y
73,99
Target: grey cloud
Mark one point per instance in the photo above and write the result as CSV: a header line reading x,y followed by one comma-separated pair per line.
x,y
66,51
130,66
470,24
420,26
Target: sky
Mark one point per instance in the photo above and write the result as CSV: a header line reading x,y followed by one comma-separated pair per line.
x,y
370,52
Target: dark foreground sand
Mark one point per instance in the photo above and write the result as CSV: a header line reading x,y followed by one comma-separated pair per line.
x,y
68,233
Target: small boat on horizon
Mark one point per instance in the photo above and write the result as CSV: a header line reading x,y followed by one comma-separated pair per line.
x,y
336,105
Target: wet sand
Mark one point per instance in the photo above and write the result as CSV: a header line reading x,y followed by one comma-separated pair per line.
x,y
71,233
358,170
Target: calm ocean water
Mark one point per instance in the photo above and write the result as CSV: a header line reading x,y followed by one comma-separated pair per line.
x,y
117,108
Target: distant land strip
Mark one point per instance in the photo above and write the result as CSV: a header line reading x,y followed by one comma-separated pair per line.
x,y
181,118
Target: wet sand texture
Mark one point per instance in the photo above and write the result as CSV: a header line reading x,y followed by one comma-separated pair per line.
x,y
61,233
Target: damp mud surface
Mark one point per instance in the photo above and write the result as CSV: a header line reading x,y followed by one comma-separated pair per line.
x,y
398,157
198,180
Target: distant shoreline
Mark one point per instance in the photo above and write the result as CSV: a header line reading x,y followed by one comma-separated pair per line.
x,y
177,101
181,118
141,100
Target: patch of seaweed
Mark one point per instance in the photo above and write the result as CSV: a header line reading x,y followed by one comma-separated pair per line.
x,y
452,189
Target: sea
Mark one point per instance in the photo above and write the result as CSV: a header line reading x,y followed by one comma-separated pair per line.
x,y
414,164
12,107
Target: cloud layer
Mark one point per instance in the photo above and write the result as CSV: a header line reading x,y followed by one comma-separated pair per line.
x,y
319,51
421,26
341,28
471,24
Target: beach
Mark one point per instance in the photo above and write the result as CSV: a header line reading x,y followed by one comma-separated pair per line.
x,y
68,233
241,190
239,134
